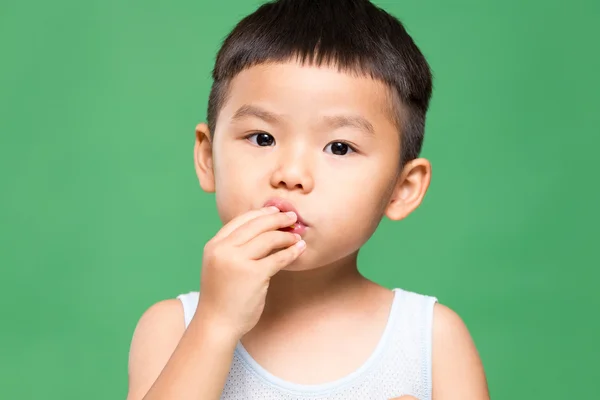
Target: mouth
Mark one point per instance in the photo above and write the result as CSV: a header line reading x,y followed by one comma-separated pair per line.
x,y
283,205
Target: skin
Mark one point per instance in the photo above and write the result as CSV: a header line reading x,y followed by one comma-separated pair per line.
x,y
317,305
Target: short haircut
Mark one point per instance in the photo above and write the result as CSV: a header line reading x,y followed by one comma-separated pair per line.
x,y
353,35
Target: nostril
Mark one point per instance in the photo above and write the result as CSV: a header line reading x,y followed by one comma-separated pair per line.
x,y
284,184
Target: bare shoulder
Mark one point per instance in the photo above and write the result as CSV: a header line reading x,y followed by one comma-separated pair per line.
x,y
155,338
457,369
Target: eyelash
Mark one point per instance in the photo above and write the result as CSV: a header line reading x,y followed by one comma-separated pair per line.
x,y
350,146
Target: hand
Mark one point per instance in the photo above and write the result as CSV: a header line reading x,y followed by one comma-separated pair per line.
x,y
237,266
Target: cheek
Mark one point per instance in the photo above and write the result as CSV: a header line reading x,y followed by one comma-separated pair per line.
x,y
358,192
356,212
357,221
235,185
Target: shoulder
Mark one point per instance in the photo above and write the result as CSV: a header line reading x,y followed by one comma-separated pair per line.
x,y
447,321
160,325
156,336
414,299
457,370
163,317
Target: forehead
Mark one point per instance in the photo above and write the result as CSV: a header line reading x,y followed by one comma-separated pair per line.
x,y
304,92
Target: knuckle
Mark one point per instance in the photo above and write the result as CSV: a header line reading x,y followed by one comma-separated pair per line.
x,y
208,249
217,253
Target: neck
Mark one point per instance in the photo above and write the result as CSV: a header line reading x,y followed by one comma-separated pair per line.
x,y
296,291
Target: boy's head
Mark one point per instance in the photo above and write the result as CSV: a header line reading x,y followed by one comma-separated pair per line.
x,y
321,103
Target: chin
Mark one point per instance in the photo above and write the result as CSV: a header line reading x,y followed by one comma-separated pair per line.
x,y
302,263
310,261
295,267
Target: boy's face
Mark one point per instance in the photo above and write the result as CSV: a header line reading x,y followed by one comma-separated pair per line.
x,y
322,140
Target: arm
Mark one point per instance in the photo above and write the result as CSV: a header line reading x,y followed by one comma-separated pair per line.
x,y
168,362
457,369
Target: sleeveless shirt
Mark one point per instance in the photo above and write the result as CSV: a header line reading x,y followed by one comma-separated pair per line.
x,y
400,364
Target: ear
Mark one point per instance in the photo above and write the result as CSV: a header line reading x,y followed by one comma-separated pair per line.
x,y
410,189
203,158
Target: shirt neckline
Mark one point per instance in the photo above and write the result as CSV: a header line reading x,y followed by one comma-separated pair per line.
x,y
254,367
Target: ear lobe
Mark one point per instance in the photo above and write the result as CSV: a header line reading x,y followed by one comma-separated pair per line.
x,y
203,158
410,189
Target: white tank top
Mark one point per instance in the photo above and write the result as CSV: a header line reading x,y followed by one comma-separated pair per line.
x,y
400,364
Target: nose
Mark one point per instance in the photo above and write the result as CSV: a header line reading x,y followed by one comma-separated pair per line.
x,y
293,170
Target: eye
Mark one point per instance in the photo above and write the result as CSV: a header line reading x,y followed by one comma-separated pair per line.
x,y
340,148
262,139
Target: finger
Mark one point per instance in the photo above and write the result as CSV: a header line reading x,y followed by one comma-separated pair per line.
x,y
242,219
264,223
281,259
264,244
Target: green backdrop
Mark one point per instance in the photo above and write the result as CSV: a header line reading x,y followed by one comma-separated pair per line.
x,y
101,214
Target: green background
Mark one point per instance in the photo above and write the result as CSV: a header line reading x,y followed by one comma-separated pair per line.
x,y
101,213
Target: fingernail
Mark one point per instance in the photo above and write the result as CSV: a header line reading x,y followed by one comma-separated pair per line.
x,y
291,214
272,209
301,244
298,237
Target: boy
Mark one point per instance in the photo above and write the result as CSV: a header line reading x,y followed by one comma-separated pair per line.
x,y
315,123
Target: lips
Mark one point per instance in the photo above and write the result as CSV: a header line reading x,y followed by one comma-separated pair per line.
x,y
283,205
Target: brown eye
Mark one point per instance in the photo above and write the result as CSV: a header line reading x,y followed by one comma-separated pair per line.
x,y
340,148
261,139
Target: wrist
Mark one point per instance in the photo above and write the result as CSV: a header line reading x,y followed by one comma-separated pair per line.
x,y
214,329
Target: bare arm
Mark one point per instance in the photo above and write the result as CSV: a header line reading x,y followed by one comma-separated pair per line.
x,y
168,362
457,369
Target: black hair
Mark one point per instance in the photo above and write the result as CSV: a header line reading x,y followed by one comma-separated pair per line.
x,y
354,35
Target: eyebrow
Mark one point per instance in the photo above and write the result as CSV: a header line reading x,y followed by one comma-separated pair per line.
x,y
254,111
334,121
353,121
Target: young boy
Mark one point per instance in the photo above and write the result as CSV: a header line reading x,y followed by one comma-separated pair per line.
x,y
315,124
